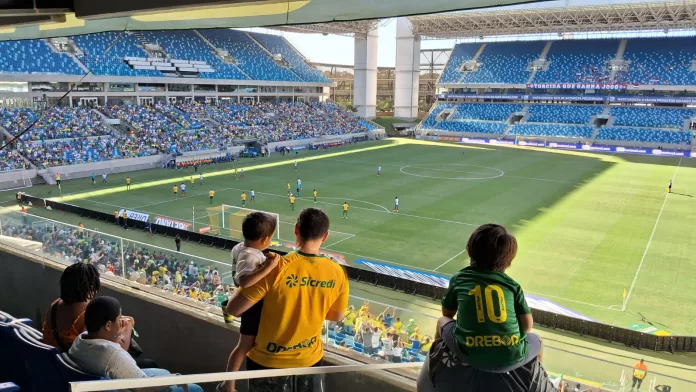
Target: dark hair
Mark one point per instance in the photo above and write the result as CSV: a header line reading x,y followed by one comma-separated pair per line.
x,y
312,224
491,248
79,283
100,311
258,225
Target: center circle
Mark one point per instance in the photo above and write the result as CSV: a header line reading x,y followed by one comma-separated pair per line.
x,y
449,171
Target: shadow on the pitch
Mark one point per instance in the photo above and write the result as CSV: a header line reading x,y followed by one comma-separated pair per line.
x,y
682,194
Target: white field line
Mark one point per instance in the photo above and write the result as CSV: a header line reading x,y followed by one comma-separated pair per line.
x,y
571,300
341,240
647,247
450,259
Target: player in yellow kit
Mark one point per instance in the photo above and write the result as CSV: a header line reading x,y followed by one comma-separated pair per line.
x,y
212,195
289,189
175,190
244,196
345,210
193,182
292,201
315,196
128,183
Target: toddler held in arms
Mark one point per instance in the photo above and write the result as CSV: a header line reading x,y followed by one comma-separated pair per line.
x,y
249,265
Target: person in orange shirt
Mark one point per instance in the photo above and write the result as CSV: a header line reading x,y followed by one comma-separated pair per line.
x,y
640,370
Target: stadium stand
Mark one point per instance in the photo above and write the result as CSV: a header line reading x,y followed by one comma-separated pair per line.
x,y
645,135
569,114
250,56
552,130
492,127
35,57
11,160
650,117
460,54
57,123
578,61
188,45
660,61
505,62
119,46
484,111
186,120
297,63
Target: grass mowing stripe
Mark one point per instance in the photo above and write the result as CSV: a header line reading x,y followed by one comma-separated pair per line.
x,y
647,247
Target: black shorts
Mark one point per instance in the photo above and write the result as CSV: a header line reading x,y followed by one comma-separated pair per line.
x,y
251,319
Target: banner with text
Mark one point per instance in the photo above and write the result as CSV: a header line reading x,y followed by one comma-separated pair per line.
x,y
163,221
139,216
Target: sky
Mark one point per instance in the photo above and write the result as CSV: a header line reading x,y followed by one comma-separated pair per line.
x,y
334,49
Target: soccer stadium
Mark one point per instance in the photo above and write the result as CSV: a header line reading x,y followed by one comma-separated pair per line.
x,y
272,224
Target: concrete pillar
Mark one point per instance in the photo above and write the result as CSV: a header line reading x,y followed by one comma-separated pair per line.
x,y
407,71
365,75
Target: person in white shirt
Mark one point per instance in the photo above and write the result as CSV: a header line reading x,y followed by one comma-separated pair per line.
x,y
396,204
98,351
104,178
379,171
253,196
183,189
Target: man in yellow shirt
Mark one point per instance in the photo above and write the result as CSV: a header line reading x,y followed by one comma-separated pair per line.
x,y
289,193
305,289
315,196
345,210
175,190
128,183
244,199
398,325
292,202
193,182
349,320
212,195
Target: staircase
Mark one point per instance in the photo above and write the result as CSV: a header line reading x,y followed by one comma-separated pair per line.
x,y
508,129
622,50
594,135
543,55
6,132
606,110
475,58
215,51
140,37
105,123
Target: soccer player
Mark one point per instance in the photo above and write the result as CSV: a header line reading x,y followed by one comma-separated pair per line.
x,y
193,182
253,196
211,194
175,190
241,172
183,189
244,196
104,178
396,204
345,210
200,178
299,183
669,187
292,202
58,179
295,167
128,183
379,171
94,179
236,177
315,196
289,189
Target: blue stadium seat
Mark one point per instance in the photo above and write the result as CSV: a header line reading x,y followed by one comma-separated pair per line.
x,y
645,135
485,111
578,61
251,57
460,54
505,62
39,361
71,372
11,364
569,114
650,117
8,387
553,130
297,63
35,57
660,61
119,45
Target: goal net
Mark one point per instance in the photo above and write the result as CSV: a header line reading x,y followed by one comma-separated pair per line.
x,y
227,220
20,179
530,141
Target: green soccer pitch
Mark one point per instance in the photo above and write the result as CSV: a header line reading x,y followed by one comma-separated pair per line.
x,y
590,227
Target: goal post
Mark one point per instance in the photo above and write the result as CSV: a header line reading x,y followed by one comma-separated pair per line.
x,y
530,141
20,179
227,220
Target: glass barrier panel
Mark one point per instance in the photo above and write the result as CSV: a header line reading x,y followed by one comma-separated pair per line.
x,y
382,333
312,379
182,277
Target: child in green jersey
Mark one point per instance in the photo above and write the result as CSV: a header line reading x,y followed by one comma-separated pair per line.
x,y
491,332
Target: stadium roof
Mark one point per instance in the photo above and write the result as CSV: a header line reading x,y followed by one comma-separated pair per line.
x,y
25,19
595,18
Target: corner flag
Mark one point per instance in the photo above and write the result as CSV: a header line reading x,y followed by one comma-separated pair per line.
x,y
625,294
